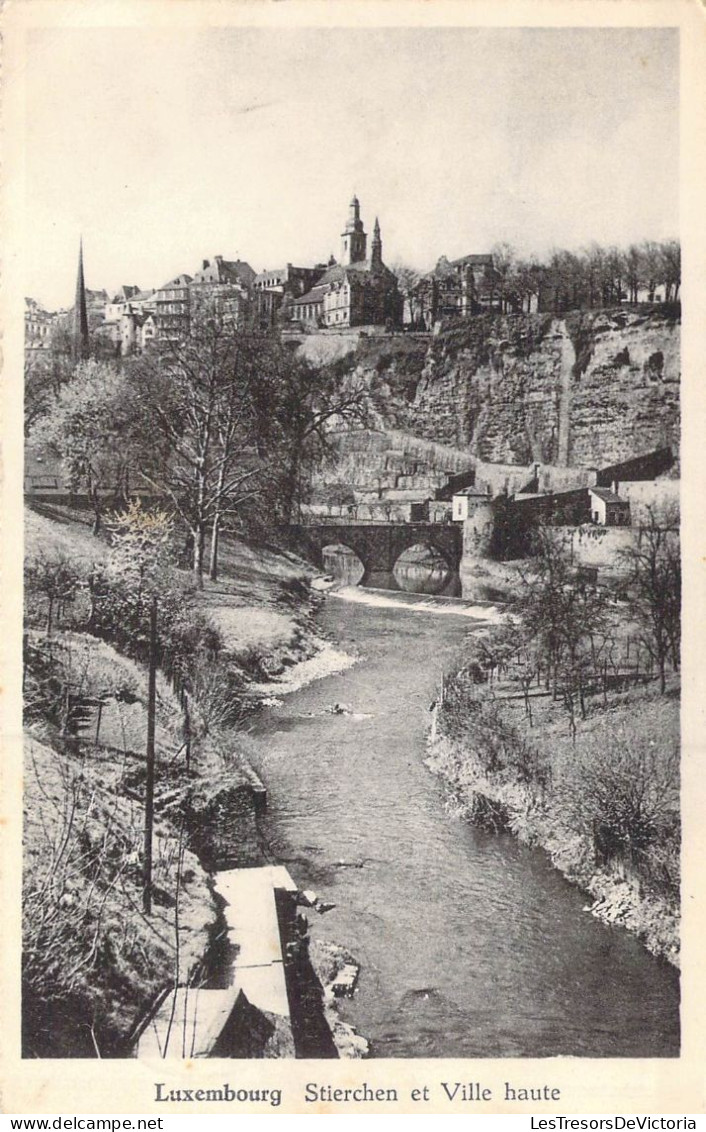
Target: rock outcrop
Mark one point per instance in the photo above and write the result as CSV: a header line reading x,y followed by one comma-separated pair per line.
x,y
586,389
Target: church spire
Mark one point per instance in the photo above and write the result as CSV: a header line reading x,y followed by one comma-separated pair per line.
x,y
376,246
80,319
354,237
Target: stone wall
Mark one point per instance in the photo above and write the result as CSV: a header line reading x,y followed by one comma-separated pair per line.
x,y
662,496
369,465
598,546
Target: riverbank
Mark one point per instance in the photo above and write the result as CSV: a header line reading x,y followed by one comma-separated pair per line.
x,y
508,770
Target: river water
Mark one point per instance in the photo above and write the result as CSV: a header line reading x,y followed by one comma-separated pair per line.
x,y
470,945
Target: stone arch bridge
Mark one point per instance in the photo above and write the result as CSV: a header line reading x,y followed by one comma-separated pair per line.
x,y
378,545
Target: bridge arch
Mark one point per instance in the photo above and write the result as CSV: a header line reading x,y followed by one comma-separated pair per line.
x,y
423,568
343,562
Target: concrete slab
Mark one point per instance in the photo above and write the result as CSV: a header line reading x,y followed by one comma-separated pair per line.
x,y
265,988
190,1020
188,1023
251,915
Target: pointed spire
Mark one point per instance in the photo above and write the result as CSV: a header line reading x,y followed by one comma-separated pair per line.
x,y
376,246
80,320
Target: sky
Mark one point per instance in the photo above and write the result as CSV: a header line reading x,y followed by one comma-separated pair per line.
x,y
164,147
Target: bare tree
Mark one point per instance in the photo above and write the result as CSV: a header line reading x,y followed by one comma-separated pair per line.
x,y
671,269
199,401
653,566
564,620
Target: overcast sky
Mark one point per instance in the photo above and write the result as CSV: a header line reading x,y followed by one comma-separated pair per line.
x,y
164,147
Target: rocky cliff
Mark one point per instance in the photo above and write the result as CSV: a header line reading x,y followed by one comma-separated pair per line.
x,y
586,389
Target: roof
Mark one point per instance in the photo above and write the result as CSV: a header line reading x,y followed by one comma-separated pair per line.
x,y
445,267
478,260
316,295
126,292
474,492
261,276
606,495
227,271
340,273
179,281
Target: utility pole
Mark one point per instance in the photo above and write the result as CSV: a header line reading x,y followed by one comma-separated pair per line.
x,y
149,780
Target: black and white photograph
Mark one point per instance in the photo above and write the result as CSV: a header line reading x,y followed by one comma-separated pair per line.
x,y
351,641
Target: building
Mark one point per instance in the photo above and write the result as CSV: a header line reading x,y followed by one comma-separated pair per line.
x,y
38,326
220,270
655,293
608,509
358,291
171,308
455,288
149,331
117,304
124,315
276,289
95,307
466,501
222,289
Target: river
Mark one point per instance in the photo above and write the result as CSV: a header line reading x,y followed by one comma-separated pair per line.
x,y
470,944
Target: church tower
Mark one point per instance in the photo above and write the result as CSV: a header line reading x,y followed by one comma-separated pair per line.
x,y
376,247
80,319
354,237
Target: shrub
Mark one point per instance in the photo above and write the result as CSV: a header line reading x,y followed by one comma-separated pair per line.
x,y
54,580
623,790
496,744
216,694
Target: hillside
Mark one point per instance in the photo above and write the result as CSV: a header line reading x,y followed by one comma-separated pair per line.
x,y
93,962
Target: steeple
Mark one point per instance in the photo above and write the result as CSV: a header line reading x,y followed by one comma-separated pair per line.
x,y
80,319
354,238
376,246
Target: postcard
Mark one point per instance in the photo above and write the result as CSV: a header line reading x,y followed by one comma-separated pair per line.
x,y
352,459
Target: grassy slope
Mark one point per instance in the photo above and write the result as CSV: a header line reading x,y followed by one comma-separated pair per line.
x,y
254,604
82,883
